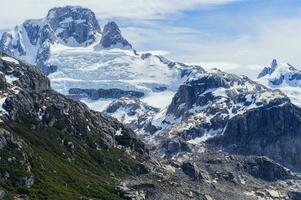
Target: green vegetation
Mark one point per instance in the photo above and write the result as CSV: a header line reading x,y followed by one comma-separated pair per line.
x,y
61,172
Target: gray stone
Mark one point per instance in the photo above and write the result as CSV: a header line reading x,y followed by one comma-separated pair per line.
x,y
95,94
25,181
112,38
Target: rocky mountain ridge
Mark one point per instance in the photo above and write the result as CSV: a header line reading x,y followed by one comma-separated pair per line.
x,y
229,112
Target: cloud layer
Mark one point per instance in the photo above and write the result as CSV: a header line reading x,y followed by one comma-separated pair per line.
x,y
15,11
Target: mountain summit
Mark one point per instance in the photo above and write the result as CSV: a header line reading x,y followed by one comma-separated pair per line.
x,y
74,26
112,38
69,26
268,70
283,76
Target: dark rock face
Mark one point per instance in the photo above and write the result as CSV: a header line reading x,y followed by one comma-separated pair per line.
x,y
266,169
294,195
273,131
240,115
32,31
42,130
189,94
16,47
2,82
96,94
111,37
190,170
34,80
74,22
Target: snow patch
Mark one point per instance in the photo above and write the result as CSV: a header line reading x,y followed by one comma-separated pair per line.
x,y
208,134
11,78
2,110
10,59
119,132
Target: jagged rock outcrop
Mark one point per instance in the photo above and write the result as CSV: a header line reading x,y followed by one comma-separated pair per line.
x,y
268,70
74,23
112,38
190,170
132,112
278,74
95,94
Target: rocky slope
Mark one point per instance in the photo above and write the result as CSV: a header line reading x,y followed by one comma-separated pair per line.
x,y
133,113
215,175
53,147
230,112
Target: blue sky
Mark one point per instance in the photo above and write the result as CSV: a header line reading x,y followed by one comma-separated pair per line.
x,y
235,35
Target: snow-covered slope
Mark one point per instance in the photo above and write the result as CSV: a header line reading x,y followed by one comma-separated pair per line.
x,y
115,68
285,77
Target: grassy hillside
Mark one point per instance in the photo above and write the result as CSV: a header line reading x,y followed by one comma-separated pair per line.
x,y
63,166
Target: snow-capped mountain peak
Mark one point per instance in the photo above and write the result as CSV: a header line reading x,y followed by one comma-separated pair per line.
x,y
268,70
280,74
74,25
112,38
283,76
69,26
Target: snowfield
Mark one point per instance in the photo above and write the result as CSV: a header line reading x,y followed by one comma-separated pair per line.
x,y
86,68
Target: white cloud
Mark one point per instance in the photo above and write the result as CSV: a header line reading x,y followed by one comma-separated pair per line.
x,y
14,12
245,54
